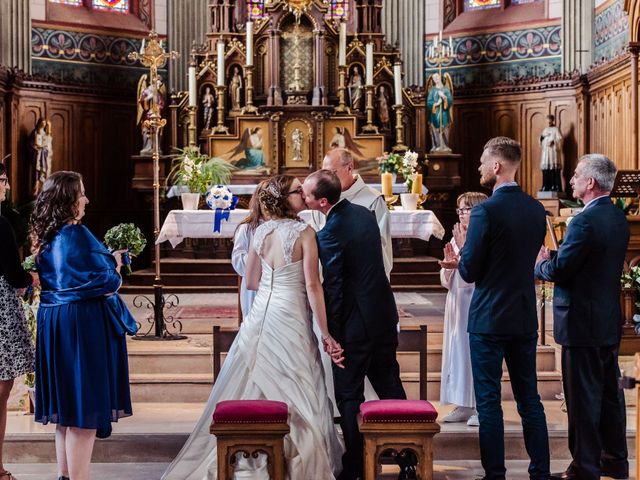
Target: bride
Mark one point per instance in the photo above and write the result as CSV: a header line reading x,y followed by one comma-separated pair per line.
x,y
275,355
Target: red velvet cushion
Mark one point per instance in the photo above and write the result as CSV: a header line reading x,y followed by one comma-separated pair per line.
x,y
250,411
398,411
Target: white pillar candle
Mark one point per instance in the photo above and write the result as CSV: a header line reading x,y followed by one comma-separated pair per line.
x,y
397,81
435,42
193,96
440,37
369,65
220,71
342,50
249,43
144,40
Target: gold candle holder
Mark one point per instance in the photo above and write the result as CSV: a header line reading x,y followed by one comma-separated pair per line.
x,y
390,200
220,127
399,146
369,127
249,106
342,91
193,122
422,197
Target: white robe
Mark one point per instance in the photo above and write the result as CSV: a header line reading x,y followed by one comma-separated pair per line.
x,y
456,386
362,194
241,244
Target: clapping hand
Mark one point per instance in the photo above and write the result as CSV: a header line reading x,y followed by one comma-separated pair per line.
x,y
459,235
450,260
334,349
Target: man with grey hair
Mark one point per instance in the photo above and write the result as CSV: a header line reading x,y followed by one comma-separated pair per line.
x,y
586,271
340,161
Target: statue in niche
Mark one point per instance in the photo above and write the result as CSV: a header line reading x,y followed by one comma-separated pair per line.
x,y
145,101
235,89
551,157
439,103
355,89
382,102
208,103
41,153
297,137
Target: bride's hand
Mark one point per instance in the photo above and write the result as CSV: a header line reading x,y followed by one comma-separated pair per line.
x,y
334,349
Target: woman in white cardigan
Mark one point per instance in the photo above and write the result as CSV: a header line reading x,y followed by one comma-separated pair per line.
x,y
456,386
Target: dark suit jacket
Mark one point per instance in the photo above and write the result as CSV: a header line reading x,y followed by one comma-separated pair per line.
x,y
360,303
504,238
586,271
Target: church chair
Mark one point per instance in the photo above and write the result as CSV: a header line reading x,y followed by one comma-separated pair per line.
x,y
397,427
250,427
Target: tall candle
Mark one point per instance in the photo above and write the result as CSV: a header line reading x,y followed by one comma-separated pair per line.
x,y
387,184
369,65
193,96
450,42
397,81
342,50
416,186
144,42
220,72
440,36
249,43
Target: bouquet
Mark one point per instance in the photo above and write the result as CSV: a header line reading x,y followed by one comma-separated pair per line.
x,y
389,163
409,168
30,303
197,171
125,236
219,196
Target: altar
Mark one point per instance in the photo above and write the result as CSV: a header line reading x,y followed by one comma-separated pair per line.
x,y
182,224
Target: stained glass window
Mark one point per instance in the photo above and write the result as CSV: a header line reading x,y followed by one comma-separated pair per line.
x,y
256,8
481,4
339,8
119,6
75,3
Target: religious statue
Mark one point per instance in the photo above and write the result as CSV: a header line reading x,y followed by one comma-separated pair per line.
x,y
382,102
208,103
145,100
439,103
296,139
355,89
251,144
235,89
551,157
41,147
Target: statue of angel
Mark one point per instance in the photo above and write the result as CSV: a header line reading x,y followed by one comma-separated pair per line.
x,y
342,139
439,103
251,144
145,101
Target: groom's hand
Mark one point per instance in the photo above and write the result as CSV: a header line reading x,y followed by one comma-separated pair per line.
x,y
334,349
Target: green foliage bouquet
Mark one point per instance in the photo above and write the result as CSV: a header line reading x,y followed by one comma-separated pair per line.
x,y
125,236
389,163
197,171
30,303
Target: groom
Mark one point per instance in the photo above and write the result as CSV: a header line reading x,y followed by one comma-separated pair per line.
x,y
361,310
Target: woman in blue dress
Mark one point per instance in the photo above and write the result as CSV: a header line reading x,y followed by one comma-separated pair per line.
x,y
82,378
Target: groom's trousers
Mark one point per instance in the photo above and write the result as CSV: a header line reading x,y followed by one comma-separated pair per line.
x,y
375,359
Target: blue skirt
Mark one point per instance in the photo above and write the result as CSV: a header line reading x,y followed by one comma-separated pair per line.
x,y
82,371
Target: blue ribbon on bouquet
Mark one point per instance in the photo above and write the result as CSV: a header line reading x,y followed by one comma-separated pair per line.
x,y
223,214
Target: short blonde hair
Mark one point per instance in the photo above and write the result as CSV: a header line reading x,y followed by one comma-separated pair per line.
x,y
471,198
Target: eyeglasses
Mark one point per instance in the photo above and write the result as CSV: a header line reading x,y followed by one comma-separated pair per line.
x,y
464,210
296,191
4,180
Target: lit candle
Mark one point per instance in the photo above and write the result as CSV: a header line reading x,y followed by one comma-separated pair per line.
x,y
387,184
416,186
342,50
440,37
249,43
142,46
220,72
397,81
192,87
369,65
435,42
450,42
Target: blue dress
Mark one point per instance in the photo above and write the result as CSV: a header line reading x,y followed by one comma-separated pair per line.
x,y
82,373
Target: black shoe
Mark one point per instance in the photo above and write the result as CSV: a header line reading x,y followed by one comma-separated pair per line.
x,y
566,475
63,478
615,473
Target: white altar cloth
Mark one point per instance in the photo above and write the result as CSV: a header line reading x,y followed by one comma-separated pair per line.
x,y
181,224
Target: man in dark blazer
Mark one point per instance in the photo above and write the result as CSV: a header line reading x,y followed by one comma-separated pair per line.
x,y
504,236
586,314
361,309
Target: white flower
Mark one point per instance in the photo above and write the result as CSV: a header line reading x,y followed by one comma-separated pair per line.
x,y
219,196
410,159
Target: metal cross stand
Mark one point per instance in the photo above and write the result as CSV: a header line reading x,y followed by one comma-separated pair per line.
x,y
154,56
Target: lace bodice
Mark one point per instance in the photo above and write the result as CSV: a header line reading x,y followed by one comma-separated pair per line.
x,y
288,231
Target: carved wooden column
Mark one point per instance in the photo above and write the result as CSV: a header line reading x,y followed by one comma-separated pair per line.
x,y
15,34
634,49
319,97
275,92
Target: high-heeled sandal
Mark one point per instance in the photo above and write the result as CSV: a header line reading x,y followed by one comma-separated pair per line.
x,y
6,475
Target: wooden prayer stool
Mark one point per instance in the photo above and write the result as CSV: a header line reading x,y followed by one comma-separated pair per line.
x,y
250,427
397,426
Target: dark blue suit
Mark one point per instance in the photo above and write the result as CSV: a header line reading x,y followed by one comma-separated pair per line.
x,y
362,317
504,237
586,310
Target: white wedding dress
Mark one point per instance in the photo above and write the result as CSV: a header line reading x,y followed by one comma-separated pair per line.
x,y
275,356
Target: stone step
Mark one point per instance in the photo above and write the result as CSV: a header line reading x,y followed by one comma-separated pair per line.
x,y
415,264
178,289
172,280
414,279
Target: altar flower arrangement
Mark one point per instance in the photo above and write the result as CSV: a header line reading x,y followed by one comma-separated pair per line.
x,y
219,196
197,171
409,168
389,163
125,236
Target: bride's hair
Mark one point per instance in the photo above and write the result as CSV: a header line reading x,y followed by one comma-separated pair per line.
x,y
274,197
256,214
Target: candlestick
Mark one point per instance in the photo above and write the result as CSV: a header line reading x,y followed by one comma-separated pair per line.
x,y
220,71
397,82
249,107
369,64
193,95
369,127
220,127
399,146
342,50
249,43
342,105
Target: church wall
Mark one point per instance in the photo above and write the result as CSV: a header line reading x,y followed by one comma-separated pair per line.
x,y
611,34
